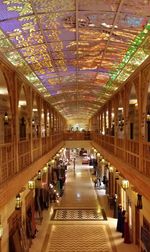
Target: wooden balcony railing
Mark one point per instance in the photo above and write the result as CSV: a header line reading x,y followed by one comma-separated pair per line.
x,y
14,159
24,154
127,150
146,158
75,135
36,148
7,162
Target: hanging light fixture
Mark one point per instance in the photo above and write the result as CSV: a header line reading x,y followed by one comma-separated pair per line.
x,y
45,169
31,184
125,184
111,168
18,202
33,122
39,176
6,118
148,117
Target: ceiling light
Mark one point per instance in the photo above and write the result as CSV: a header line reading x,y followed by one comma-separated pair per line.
x,y
22,103
108,26
3,91
133,101
125,184
92,25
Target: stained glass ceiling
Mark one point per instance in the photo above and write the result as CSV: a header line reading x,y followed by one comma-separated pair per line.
x,y
75,53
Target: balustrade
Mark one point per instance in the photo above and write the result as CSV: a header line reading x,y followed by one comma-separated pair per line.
x,y
36,148
24,154
146,158
125,149
7,164
75,135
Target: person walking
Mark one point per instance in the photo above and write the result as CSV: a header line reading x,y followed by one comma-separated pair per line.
x,y
119,221
74,163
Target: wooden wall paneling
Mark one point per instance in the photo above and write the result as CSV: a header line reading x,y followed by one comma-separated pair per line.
x,y
124,117
145,80
30,105
116,122
39,104
8,169
109,116
138,85
127,97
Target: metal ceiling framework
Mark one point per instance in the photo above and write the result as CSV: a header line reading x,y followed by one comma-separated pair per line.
x,y
75,53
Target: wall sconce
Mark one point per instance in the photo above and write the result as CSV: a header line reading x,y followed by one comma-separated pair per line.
x,y
33,122
31,184
98,154
39,176
111,168
125,184
45,169
6,118
148,117
139,201
1,230
52,161
18,202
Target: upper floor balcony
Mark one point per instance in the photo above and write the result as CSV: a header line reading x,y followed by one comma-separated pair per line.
x,y
77,135
16,157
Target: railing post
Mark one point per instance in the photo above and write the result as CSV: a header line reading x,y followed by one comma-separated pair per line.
x,y
16,126
140,122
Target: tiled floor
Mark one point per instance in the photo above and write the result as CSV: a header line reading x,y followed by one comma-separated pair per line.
x,y
72,231
78,214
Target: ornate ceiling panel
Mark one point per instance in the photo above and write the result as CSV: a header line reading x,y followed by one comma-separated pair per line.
x,y
76,53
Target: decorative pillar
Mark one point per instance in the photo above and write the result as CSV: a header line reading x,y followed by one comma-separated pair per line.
x,y
111,193
140,122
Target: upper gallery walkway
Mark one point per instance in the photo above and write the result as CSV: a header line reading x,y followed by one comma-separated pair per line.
x,y
77,222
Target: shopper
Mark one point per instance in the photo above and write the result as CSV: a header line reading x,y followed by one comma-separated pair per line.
x,y
119,221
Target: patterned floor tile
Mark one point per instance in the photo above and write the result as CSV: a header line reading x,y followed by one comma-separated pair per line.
x,y
78,214
79,238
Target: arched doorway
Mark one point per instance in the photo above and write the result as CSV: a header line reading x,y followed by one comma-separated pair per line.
x,y
133,126
23,115
5,112
120,119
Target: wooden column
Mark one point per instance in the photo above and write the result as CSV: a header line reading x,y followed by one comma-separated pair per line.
x,y
140,122
16,124
39,116
109,117
124,101
30,106
116,122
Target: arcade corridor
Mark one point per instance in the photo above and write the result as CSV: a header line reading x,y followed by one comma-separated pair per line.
x,y
77,222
